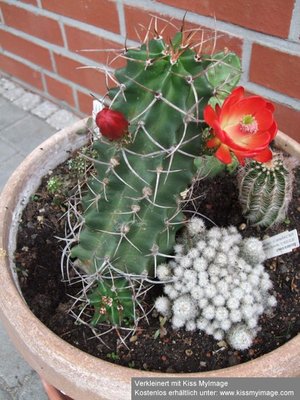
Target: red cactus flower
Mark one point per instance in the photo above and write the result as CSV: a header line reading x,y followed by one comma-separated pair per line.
x,y
243,126
112,124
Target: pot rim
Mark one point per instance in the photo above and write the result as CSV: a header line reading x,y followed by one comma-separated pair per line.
x,y
34,341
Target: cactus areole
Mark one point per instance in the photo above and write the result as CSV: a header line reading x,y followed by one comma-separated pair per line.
x,y
132,210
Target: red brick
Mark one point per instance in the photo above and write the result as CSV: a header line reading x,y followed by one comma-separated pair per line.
x,y
288,120
24,48
88,78
85,103
21,71
268,16
60,90
138,20
78,40
102,14
37,25
275,70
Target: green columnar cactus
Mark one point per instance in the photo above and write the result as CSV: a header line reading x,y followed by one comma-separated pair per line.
x,y
265,191
132,210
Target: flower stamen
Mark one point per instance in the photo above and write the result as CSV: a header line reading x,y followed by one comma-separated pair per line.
x,y
248,124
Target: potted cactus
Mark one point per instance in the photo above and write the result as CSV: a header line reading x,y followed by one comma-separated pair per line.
x,y
170,105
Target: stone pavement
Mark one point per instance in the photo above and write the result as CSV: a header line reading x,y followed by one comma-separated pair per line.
x,y
26,120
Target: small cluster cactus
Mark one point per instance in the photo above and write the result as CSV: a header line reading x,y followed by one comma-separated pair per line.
x,y
216,283
265,190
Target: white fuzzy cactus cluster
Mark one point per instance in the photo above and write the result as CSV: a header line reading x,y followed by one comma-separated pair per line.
x,y
217,284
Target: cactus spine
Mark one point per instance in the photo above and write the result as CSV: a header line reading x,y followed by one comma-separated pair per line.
x,y
265,191
132,210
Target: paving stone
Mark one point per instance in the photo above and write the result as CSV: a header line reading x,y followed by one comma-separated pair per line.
x,y
32,389
5,85
27,134
3,101
4,395
45,109
28,101
9,114
6,151
13,94
61,119
7,167
13,369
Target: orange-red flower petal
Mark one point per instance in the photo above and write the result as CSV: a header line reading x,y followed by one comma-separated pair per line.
x,y
243,126
223,154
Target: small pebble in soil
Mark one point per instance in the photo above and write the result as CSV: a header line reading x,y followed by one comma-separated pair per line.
x,y
273,265
242,227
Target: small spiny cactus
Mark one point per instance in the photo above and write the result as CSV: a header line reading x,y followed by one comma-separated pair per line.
x,y
113,302
265,190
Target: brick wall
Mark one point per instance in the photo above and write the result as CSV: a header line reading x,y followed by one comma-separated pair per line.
x,y
40,42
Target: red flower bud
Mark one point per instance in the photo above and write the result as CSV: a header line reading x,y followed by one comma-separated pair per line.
x,y
112,124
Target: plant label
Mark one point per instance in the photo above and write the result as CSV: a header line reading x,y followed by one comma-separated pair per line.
x,y
280,244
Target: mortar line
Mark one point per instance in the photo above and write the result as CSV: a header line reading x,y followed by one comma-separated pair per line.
x,y
75,97
63,33
53,63
2,17
122,22
43,81
246,60
294,33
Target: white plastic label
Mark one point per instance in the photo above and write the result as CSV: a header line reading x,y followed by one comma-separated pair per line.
x,y
280,244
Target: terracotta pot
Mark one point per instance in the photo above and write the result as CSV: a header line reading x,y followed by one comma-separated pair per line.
x,y
76,373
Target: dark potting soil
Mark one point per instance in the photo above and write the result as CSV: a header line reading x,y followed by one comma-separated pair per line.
x,y
153,346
